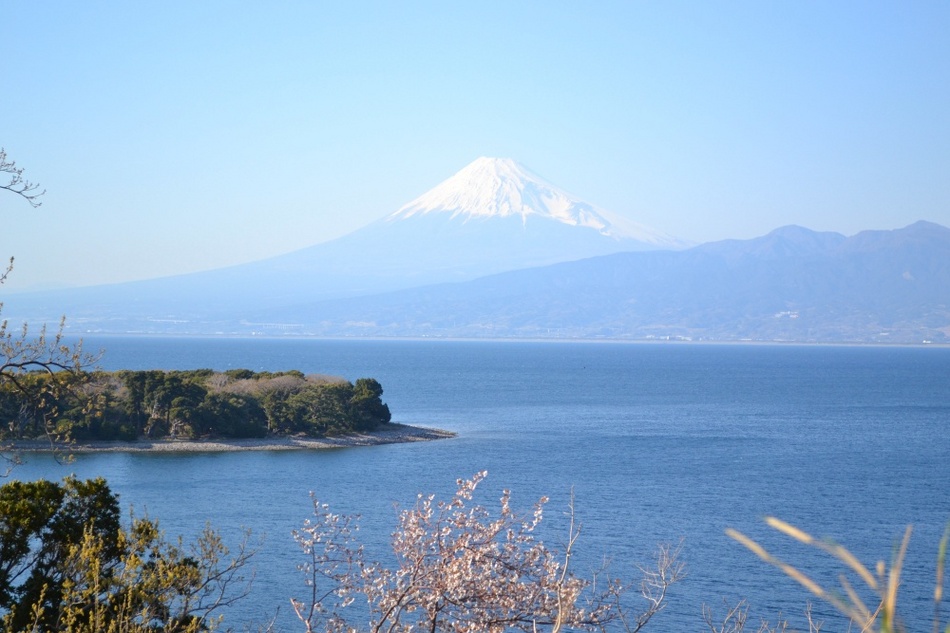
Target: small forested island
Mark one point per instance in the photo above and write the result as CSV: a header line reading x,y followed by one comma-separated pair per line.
x,y
191,405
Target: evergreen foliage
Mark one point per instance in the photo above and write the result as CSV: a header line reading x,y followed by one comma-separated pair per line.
x,y
67,565
39,522
155,404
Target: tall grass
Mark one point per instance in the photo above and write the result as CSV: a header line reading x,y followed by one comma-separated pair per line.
x,y
880,611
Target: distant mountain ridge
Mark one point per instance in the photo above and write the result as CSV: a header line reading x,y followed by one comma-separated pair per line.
x,y
496,251
492,216
792,285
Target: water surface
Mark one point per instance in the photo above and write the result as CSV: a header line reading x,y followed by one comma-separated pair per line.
x,y
658,443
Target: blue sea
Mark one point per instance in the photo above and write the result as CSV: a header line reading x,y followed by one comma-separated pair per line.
x,y
658,442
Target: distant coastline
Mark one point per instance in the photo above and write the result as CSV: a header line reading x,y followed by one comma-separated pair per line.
x,y
392,433
77,335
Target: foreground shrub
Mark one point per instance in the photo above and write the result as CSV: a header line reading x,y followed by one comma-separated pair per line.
x,y
66,565
458,568
870,607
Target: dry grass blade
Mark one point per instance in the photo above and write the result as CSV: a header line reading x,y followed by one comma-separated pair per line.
x,y
846,557
855,599
941,561
938,585
856,610
839,552
756,549
798,576
893,582
885,585
790,530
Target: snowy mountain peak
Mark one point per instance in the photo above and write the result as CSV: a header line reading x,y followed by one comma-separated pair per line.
x,y
488,187
501,188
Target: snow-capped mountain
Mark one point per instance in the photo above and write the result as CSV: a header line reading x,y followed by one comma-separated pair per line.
x,y
492,216
501,188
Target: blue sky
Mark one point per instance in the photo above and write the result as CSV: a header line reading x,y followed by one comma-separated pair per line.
x,y
181,136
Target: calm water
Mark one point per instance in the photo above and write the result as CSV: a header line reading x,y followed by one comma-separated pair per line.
x,y
658,442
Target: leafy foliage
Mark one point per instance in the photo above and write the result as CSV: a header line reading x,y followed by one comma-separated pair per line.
x,y
126,405
39,522
67,565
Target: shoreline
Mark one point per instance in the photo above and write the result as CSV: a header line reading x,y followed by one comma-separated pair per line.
x,y
507,339
392,433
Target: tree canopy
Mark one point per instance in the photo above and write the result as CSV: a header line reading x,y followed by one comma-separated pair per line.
x,y
156,404
66,564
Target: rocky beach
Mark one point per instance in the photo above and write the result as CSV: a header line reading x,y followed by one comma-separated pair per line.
x,y
388,434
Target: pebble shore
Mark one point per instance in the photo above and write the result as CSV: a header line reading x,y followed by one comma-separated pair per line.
x,y
389,434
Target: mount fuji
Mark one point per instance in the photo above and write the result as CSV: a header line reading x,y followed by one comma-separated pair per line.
x,y
499,188
492,216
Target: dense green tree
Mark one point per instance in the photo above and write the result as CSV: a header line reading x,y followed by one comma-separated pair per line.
x,y
367,409
231,415
174,394
274,393
239,374
39,522
192,404
321,409
67,565
138,384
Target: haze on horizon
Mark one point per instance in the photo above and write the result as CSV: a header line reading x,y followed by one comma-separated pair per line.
x,y
189,136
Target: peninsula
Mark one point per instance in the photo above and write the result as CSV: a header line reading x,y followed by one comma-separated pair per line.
x,y
199,410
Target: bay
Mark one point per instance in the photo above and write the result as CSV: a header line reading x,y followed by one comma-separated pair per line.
x,y
658,442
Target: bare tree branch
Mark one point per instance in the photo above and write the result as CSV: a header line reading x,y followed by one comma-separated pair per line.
x,y
17,184
42,370
737,617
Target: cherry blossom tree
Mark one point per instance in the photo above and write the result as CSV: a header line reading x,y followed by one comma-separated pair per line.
x,y
459,569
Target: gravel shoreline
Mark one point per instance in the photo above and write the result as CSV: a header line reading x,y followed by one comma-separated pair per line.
x,y
389,434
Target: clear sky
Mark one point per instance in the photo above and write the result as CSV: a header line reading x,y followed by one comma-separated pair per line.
x,y
179,136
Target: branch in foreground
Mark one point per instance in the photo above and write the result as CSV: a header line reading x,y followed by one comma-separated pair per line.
x,y
45,374
459,567
17,184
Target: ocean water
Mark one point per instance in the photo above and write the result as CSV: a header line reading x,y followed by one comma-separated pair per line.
x,y
659,443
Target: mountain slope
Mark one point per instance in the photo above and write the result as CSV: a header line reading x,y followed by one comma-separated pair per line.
x,y
494,215
490,217
790,285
